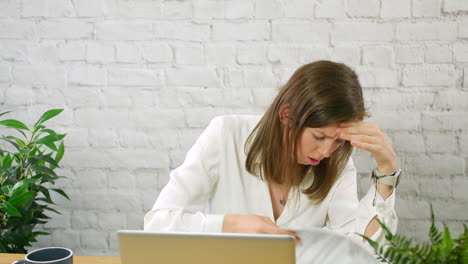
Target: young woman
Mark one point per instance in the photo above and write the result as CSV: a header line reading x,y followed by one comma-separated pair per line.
x,y
289,168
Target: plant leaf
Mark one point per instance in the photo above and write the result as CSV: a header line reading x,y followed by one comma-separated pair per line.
x,y
34,159
44,170
60,152
4,113
61,192
46,116
21,199
13,124
11,210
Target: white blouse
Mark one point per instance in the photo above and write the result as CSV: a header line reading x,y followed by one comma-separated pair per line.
x,y
213,182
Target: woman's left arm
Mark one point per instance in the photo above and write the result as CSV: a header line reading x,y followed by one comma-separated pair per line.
x,y
369,137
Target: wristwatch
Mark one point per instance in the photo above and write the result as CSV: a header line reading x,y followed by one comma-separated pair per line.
x,y
391,179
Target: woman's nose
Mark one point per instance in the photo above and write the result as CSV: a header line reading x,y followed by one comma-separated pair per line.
x,y
327,148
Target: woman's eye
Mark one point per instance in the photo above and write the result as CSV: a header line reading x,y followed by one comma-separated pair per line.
x,y
319,138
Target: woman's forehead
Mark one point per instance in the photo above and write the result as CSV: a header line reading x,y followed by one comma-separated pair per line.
x,y
328,130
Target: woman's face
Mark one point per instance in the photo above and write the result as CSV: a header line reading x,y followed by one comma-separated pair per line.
x,y
317,143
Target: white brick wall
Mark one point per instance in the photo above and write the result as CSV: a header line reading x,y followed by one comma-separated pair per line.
x,y
140,79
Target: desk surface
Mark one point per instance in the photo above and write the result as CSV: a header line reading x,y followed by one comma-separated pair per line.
x,y
9,258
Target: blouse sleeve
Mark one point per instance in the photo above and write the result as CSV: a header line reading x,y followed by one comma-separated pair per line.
x,y
348,215
181,203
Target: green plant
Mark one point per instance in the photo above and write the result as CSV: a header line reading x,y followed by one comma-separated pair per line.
x,y
441,248
26,178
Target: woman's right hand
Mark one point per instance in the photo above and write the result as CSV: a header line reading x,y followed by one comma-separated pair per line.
x,y
254,224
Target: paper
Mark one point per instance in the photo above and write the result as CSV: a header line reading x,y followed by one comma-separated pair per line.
x,y
324,246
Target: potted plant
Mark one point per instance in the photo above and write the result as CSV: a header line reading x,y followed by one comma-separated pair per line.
x,y
441,248
27,176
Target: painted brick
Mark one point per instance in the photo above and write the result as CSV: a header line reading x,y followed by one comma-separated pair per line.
x,y
87,75
94,239
409,54
65,30
260,79
89,8
405,142
17,29
100,53
426,8
208,9
157,53
441,143
122,180
93,118
460,52
79,96
299,9
241,31
377,78
463,29
66,238
13,50
60,8
426,31
114,221
134,77
429,76
124,31
183,31
143,9
153,118
40,76
438,54
311,54
17,96
43,54
72,51
189,55
387,120
252,54
441,166
395,8
348,54
220,54
31,8
103,138
330,9
363,8
268,8
127,53
238,9
444,121
452,100
10,8
5,73
356,32
455,6
459,186
381,57
132,138
299,32
205,77
176,9
116,97
84,219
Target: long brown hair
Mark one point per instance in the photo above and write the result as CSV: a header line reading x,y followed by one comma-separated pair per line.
x,y
318,94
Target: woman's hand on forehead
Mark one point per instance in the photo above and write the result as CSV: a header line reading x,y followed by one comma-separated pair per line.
x,y
369,137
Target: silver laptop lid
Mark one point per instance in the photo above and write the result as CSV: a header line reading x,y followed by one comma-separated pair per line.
x,y
138,246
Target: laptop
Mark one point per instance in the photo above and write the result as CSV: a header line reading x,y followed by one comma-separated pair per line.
x,y
138,247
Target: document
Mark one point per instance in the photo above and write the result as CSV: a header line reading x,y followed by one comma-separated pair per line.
x,y
324,246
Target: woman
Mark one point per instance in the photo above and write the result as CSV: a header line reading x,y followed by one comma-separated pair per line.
x,y
288,168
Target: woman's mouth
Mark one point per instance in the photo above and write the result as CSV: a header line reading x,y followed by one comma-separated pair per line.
x,y
313,161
